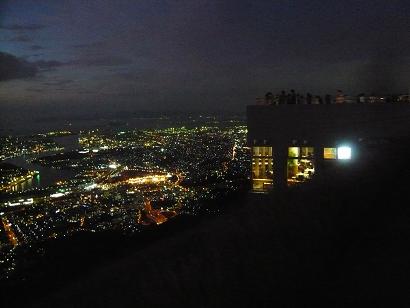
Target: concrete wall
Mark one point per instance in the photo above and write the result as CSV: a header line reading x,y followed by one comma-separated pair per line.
x,y
326,124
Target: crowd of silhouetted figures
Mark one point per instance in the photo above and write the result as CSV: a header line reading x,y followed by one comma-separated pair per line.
x,y
294,98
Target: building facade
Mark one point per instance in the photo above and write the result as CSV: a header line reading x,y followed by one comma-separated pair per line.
x,y
292,144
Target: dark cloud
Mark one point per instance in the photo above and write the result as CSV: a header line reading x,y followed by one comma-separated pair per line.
x,y
88,45
59,83
36,90
36,47
96,45
12,67
80,46
20,38
48,65
85,92
27,27
27,57
127,75
101,61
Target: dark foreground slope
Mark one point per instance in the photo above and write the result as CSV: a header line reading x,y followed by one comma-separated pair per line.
x,y
343,243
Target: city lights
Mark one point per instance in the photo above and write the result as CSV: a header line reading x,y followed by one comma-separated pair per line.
x,y
131,180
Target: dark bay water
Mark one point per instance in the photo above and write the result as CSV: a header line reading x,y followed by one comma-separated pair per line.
x,y
48,176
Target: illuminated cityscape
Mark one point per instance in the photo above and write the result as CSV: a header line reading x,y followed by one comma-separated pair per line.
x,y
125,180
193,153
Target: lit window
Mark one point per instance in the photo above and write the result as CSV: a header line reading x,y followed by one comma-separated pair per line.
x,y
329,153
293,152
262,168
262,151
344,152
306,152
301,165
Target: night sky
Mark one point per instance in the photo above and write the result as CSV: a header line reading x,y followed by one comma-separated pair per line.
x,y
197,55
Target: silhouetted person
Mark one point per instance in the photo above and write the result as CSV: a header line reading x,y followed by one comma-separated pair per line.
x,y
297,98
269,98
308,98
289,99
319,99
340,98
328,99
292,97
282,98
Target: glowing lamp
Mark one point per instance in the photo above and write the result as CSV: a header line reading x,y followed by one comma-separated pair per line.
x,y
344,152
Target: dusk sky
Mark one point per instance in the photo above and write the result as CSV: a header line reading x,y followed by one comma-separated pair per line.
x,y
197,55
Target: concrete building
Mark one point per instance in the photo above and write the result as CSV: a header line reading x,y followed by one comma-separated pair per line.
x,y
294,143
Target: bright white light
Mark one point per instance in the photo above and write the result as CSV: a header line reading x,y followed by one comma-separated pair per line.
x,y
57,195
113,166
344,152
90,187
60,194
